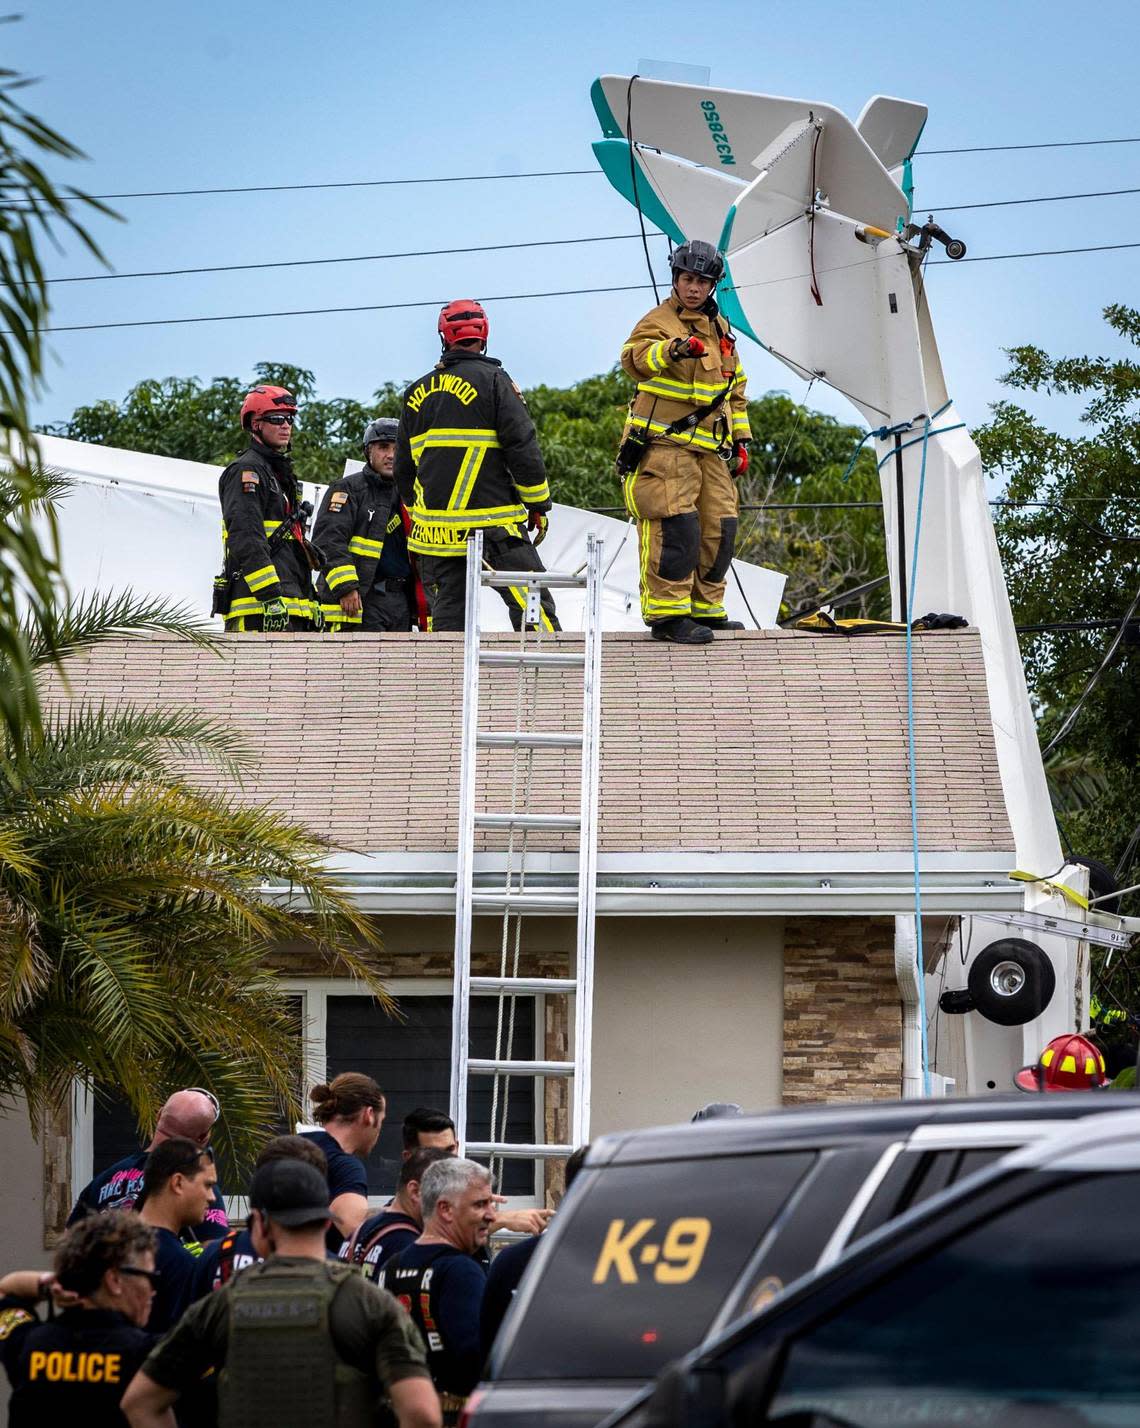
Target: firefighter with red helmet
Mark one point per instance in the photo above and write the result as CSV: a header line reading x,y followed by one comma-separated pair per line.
x,y
467,459
684,445
1068,1063
266,580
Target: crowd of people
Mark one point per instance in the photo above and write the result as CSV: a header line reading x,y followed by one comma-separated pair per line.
x,y
386,550
318,1309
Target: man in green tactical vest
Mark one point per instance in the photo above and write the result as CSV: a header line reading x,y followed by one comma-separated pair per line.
x,y
296,1340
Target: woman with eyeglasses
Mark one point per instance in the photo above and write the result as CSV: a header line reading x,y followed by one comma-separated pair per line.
x,y
74,1368
191,1113
267,573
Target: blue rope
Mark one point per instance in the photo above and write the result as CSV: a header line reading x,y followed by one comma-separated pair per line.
x,y
880,433
910,736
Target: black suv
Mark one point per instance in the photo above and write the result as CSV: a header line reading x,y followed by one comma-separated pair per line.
x,y
1005,1302
670,1234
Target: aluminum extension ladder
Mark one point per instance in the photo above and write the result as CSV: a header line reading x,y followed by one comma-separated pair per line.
x,y
519,895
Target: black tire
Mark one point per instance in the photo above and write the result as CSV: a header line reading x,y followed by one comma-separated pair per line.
x,y
1101,882
1011,981
955,249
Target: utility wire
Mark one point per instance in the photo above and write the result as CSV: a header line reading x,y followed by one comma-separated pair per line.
x,y
1013,202
1071,718
530,174
357,258
506,297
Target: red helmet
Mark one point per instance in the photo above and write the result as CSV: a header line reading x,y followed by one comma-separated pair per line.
x,y
1068,1063
262,400
463,321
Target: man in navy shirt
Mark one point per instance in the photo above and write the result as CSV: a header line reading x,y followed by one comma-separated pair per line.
x,y
400,1221
178,1186
191,1113
221,1259
439,1283
351,1110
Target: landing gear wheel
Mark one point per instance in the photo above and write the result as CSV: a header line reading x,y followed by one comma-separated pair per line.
x,y
955,249
1011,982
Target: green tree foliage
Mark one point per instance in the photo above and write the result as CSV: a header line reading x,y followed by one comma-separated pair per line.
x,y
1076,557
798,455
132,926
32,208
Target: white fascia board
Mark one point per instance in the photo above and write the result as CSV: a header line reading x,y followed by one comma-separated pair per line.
x,y
688,884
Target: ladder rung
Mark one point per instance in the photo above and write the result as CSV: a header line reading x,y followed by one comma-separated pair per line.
x,y
537,579
510,658
520,738
512,1150
528,820
525,901
520,1068
511,985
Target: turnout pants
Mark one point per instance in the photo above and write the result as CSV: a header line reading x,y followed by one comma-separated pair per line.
x,y
445,581
685,505
386,608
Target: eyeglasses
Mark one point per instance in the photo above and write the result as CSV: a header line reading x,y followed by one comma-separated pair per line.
x,y
201,1090
152,1276
279,419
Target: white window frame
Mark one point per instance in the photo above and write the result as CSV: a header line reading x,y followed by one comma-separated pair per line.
x,y
314,993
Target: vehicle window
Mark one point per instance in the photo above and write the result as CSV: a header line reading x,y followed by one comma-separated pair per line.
x,y
971,1160
645,1263
1016,1322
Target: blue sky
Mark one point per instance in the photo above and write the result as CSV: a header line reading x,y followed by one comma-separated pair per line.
x,y
208,94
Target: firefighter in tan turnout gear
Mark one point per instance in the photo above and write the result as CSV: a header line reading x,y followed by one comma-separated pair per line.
x,y
684,444
467,459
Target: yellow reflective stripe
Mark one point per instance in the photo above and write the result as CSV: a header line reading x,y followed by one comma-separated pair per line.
x,y
394,524
534,495
465,480
740,422
452,436
658,355
543,618
698,392
340,575
361,545
259,579
715,611
630,502
469,516
697,436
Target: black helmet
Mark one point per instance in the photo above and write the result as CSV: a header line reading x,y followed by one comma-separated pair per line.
x,y
697,257
382,429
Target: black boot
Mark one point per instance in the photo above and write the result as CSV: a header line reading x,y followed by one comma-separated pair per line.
x,y
718,623
681,631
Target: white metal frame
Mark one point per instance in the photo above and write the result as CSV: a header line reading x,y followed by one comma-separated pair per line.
x,y
552,900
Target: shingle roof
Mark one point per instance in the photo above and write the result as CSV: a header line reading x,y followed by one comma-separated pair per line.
x,y
769,741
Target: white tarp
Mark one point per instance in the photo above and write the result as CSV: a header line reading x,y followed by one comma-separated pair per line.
x,y
152,523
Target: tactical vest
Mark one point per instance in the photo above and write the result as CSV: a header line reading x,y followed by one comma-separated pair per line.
x,y
417,1290
281,1366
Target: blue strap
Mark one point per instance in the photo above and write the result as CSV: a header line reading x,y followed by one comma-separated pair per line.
x,y
880,433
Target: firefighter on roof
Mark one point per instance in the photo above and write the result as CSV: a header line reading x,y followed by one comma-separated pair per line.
x,y
685,442
266,579
366,580
467,458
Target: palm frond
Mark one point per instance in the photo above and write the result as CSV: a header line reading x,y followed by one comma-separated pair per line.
x,y
58,630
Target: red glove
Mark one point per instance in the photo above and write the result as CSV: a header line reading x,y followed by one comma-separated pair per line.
x,y
538,522
686,347
739,463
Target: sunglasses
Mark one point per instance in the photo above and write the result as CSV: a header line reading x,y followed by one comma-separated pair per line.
x,y
152,1276
278,419
201,1090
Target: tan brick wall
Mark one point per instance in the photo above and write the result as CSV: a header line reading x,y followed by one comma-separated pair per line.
x,y
842,1015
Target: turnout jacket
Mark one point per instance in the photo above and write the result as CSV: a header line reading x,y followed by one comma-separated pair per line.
x,y
667,390
357,515
467,454
258,491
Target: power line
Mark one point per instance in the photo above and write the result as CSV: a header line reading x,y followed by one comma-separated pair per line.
x,y
502,297
502,178
505,247
356,258
1010,148
1014,202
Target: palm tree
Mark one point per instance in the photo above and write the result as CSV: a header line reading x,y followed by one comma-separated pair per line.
x,y
132,930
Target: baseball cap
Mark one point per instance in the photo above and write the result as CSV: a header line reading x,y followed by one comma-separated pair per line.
x,y
290,1193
